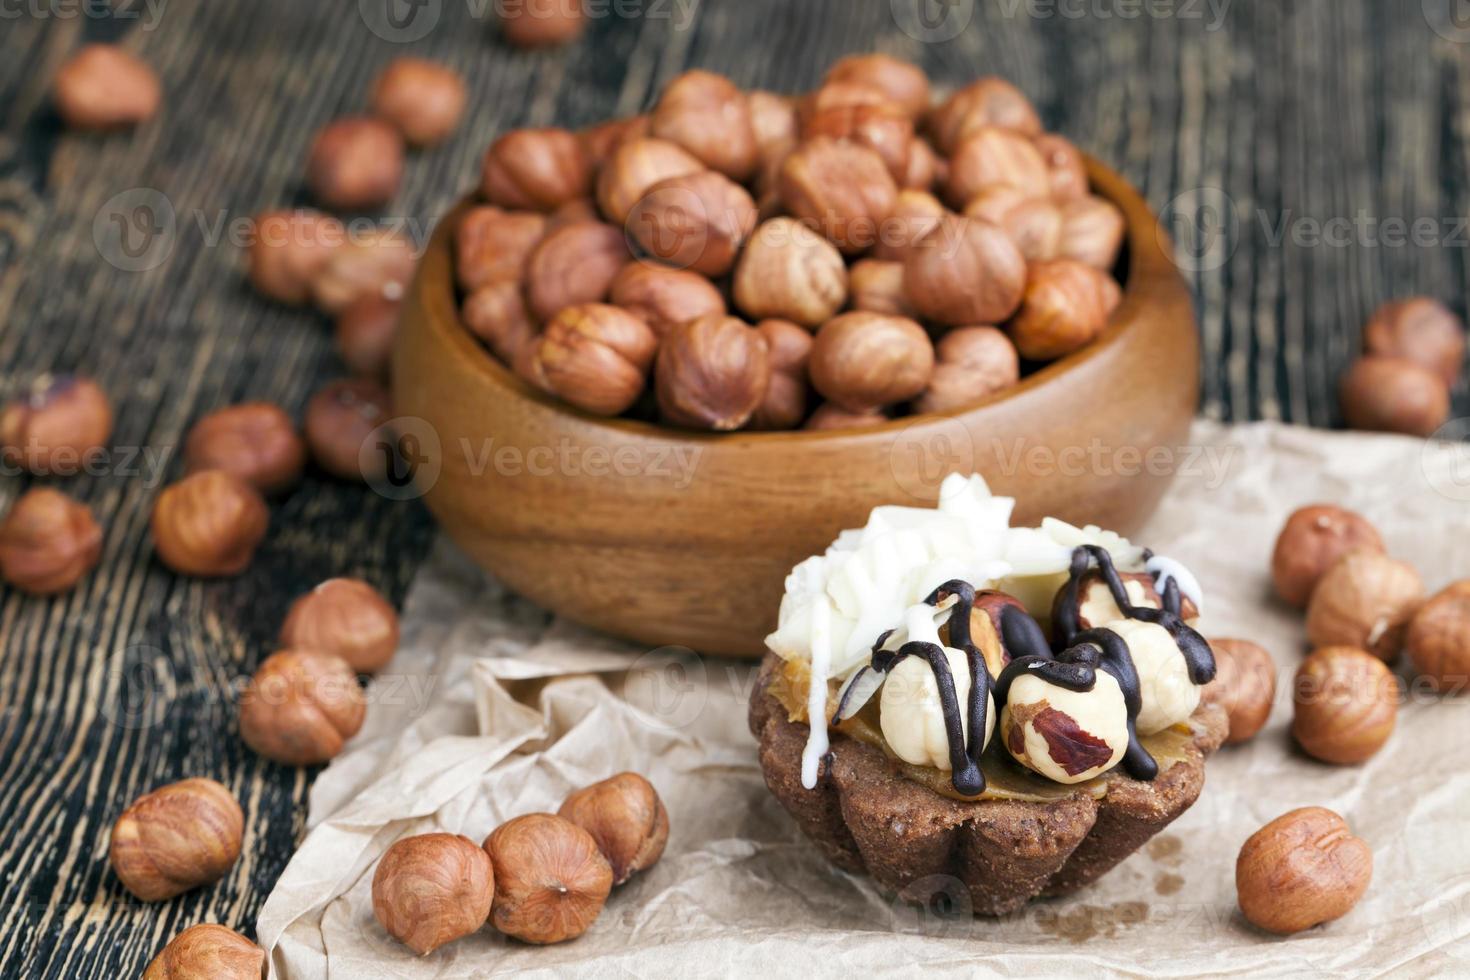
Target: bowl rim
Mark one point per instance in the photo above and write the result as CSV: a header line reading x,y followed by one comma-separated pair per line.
x,y
1146,254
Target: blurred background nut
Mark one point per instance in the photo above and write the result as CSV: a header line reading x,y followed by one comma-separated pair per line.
x,y
994,157
497,315
541,23
347,617
1438,641
789,348
1347,702
903,83
971,363
1311,542
1421,330
601,140
378,262
551,880
1092,232
863,361
964,272
207,952
355,164
536,170
1066,307
433,889
925,167
1365,599
364,335
830,418
697,222
1392,394
712,373
597,357
256,442
103,86
339,419
915,213
1036,224
773,118
707,115
574,265
176,838
842,189
790,272
423,99
301,707
289,251
575,211
883,128
664,297
1300,870
988,101
839,94
634,167
209,524
492,245
1244,684
52,427
1065,166
625,817
877,287
48,542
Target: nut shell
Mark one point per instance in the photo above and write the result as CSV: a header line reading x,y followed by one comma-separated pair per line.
x,y
625,817
1421,330
433,889
423,99
289,250
541,23
902,83
1064,165
663,297
1092,232
340,420
48,542
497,315
1346,705
209,524
697,222
707,115
1066,307
712,373
301,707
1245,684
988,101
915,214
790,272
991,156
883,128
1438,641
635,167
1300,870
971,363
356,164
536,170
843,189
832,418
965,272
551,880
492,245
573,265
1365,599
380,262
207,952
597,357
345,616
1311,541
50,429
878,287
790,350
863,361
104,86
256,442
176,838
1391,394
364,335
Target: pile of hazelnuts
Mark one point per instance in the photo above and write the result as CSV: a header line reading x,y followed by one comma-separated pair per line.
x,y
1413,353
713,263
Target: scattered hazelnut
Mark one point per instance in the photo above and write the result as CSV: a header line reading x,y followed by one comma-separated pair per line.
x,y
301,707
497,314
1067,306
597,357
423,99
712,373
364,335
355,164
971,363
48,542
636,166
989,101
773,118
1365,599
55,424
377,262
903,83
707,115
207,952
176,838
1092,232
340,418
925,167
991,156
541,23
103,86
289,251
1346,704
915,214
536,170
433,889
209,524
830,418
883,128
1391,394
789,349
1311,541
863,361
1064,165
1438,641
1421,330
574,265
790,272
491,245
1244,684
844,189
1300,870
965,272
625,817
345,616
551,881
664,297
877,287
256,442
698,222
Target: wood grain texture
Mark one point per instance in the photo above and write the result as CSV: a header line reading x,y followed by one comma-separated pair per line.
x,y
1315,110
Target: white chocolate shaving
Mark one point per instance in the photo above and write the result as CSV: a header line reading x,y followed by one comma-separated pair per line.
x,y
816,697
1166,569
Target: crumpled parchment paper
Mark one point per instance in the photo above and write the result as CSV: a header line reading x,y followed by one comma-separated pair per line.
x,y
492,709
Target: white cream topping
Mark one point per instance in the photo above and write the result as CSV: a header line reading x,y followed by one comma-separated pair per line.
x,y
1165,570
816,696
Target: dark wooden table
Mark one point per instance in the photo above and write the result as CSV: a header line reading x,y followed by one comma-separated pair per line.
x,y
1294,145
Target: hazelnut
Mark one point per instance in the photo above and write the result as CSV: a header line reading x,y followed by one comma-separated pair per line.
x,y
1346,704
1092,232
58,422
1390,394
697,222
497,315
301,707
423,99
340,418
773,118
1066,307
844,189
971,363
712,373
789,349
790,272
433,889
991,156
1421,330
1365,599
375,263
256,442
355,164
1065,166
925,168
491,245
207,952
1313,538
176,838
541,23
526,365
364,334
1096,606
663,297
289,251
597,357
840,94
965,272
904,84
1066,736
1244,684
625,817
915,214
551,881
863,361
636,166
345,616
1300,870
1036,224
882,128
48,542
1438,641
877,287
602,140
575,211
536,170
574,265
209,524
830,418
707,115
103,86
990,101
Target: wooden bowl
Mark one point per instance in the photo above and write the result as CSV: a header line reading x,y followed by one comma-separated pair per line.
x,y
667,537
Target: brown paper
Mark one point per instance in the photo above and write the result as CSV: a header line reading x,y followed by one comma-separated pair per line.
x,y
491,710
